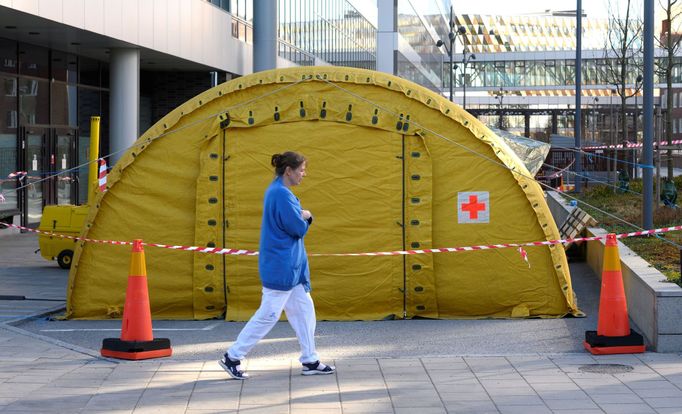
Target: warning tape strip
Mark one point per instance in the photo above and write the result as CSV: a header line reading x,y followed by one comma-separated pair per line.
x,y
632,145
243,252
214,250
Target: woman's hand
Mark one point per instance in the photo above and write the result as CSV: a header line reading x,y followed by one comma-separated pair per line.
x,y
306,214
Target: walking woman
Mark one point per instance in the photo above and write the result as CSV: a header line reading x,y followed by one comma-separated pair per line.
x,y
284,272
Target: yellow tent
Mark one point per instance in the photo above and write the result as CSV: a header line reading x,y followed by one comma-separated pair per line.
x,y
392,166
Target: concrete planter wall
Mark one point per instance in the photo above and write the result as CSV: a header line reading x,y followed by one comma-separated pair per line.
x,y
654,305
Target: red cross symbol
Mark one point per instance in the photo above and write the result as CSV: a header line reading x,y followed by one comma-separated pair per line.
x,y
473,207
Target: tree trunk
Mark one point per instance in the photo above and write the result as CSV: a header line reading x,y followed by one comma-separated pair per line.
x,y
669,86
624,128
669,120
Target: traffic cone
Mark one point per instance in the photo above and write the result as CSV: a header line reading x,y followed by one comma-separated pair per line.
x,y
137,340
613,334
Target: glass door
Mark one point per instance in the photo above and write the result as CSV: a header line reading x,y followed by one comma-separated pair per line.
x,y
33,148
9,205
65,160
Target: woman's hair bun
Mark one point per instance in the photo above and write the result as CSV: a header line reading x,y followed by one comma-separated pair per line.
x,y
289,159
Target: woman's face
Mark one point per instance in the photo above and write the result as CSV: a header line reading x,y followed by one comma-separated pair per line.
x,y
294,177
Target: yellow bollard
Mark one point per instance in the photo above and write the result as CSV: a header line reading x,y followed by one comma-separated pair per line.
x,y
93,174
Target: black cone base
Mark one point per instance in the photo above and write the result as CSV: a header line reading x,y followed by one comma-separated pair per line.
x,y
607,345
117,348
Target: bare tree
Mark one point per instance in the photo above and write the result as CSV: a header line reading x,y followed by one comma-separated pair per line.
x,y
623,56
669,42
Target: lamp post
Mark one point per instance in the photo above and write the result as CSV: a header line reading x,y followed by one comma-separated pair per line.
x,y
450,50
466,57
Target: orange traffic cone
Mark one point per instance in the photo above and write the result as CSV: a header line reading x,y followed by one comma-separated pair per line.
x,y
137,340
613,334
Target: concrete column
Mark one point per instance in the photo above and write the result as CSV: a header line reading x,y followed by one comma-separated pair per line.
x,y
124,100
387,36
264,35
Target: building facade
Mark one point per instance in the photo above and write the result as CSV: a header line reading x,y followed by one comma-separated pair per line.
x,y
132,61
522,76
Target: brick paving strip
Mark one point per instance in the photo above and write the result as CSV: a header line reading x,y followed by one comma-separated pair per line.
x,y
39,376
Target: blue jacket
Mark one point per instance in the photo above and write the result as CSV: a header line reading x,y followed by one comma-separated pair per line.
x,y
282,260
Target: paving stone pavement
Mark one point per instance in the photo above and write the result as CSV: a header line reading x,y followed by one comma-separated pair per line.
x,y
41,377
39,374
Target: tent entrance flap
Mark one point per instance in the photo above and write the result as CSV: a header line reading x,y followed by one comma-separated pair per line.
x,y
353,188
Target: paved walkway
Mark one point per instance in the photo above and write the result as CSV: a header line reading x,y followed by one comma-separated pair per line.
x,y
42,375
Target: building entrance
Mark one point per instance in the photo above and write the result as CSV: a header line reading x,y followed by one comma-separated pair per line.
x,y
47,155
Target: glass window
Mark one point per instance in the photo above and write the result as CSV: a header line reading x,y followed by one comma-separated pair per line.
x,y
64,67
519,75
559,72
509,74
89,71
63,100
489,71
588,72
8,56
33,61
499,73
550,72
241,9
569,78
33,101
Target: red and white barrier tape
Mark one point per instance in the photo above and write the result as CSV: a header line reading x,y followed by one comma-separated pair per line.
x,y
242,252
215,250
632,145
504,245
66,236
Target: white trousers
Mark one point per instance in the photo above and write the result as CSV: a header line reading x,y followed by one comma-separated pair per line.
x,y
300,312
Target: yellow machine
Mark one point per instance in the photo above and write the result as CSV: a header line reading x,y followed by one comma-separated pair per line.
x,y
68,219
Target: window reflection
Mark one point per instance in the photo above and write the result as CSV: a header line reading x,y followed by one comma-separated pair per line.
x,y
33,61
33,101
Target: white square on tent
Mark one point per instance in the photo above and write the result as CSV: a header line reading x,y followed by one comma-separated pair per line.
x,y
473,207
